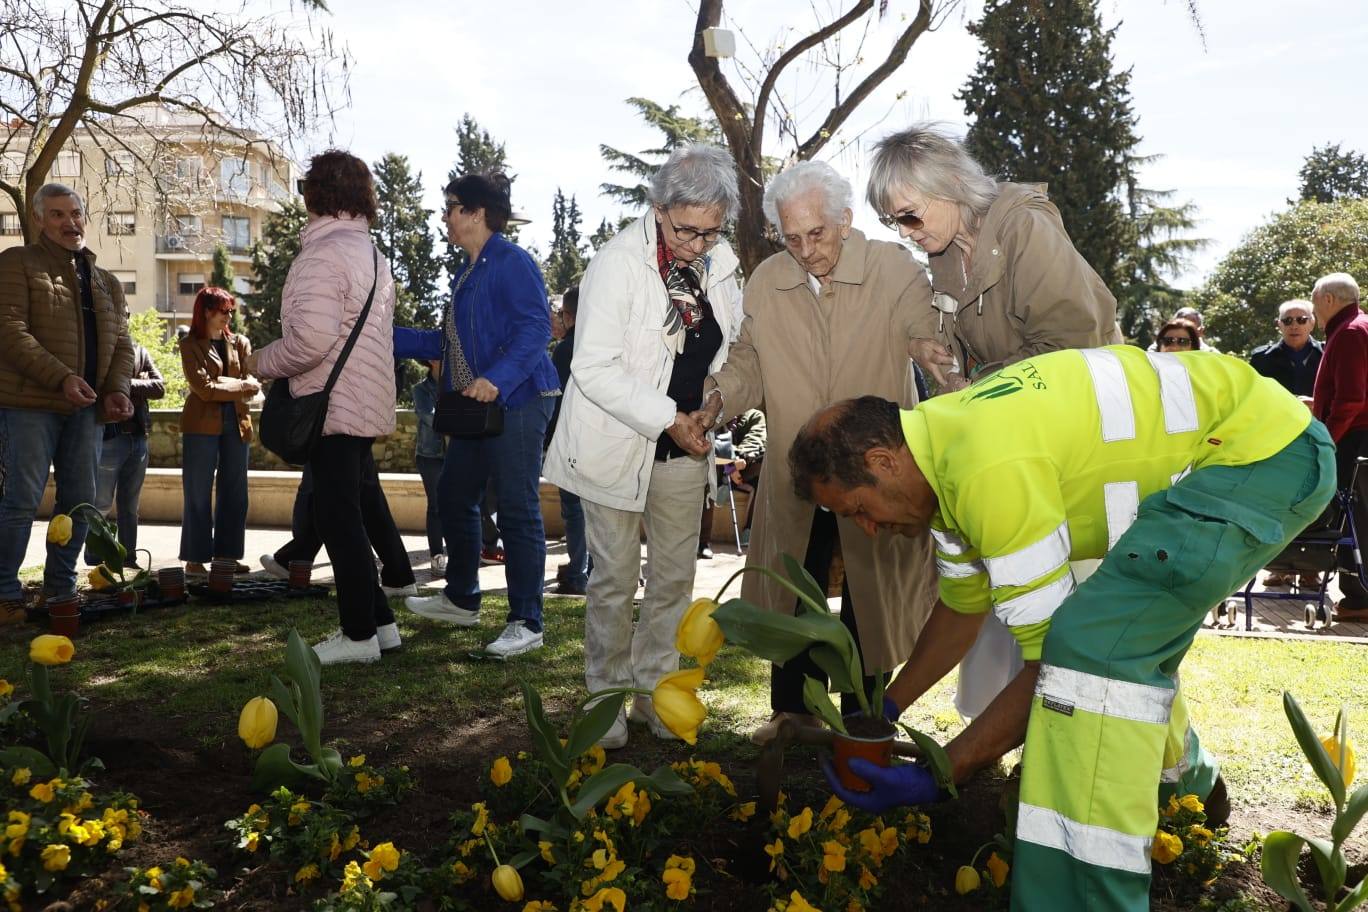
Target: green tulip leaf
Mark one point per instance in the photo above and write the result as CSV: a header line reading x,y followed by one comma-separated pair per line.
x,y
285,700
523,858
602,784
1321,763
777,637
549,829
1353,812
841,663
815,598
544,737
665,781
1279,866
303,667
1355,897
274,768
818,701
1330,862
940,765
594,724
36,762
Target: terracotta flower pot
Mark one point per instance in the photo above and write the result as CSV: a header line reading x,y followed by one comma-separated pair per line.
x,y
130,598
64,615
221,575
869,739
171,583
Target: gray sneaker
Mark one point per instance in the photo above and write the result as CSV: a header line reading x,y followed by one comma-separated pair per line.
x,y
440,608
337,649
515,640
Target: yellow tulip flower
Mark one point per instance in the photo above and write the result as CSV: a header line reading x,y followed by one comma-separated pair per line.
x,y
257,723
59,529
1332,747
698,635
966,880
501,773
507,883
676,703
100,578
51,649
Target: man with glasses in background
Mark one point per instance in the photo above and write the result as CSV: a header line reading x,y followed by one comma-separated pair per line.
x,y
1293,359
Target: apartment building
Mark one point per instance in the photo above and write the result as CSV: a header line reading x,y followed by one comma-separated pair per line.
x,y
162,194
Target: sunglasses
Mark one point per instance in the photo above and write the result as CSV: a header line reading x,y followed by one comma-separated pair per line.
x,y
905,219
1288,321
1179,341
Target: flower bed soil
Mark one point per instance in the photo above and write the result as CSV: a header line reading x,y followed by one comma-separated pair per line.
x,y
188,790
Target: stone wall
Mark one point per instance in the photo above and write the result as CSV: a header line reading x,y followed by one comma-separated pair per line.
x,y
392,454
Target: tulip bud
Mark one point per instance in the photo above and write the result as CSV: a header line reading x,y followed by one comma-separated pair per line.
x,y
966,880
507,883
257,724
100,578
676,702
59,529
50,649
1332,747
698,634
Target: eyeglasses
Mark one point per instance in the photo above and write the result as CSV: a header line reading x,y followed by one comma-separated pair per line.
x,y
1288,321
689,234
450,205
904,218
1177,341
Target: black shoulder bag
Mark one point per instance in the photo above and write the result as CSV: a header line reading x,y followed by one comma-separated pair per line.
x,y
291,425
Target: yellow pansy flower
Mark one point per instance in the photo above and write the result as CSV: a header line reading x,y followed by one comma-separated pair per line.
x,y
774,850
1192,803
182,898
997,870
678,883
307,873
358,760
382,858
1166,847
796,903
56,857
800,824
6,688
21,776
607,897
44,791
539,905
833,856
481,818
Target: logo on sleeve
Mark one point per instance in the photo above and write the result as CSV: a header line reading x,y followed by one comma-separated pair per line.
x,y
1058,706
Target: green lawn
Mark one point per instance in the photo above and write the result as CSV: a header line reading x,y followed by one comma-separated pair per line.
x,y
196,666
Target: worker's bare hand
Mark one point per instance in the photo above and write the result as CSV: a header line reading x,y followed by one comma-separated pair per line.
x,y
77,391
933,357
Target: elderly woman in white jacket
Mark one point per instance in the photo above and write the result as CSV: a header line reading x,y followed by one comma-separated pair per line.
x,y
656,311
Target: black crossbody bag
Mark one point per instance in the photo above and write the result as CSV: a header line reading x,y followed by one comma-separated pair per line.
x,y
292,425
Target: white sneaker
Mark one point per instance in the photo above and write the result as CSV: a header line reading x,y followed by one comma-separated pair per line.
x,y
388,635
515,640
396,591
644,713
274,567
339,648
440,608
616,736
439,562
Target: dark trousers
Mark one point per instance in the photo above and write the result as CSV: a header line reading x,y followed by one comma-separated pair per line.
x,y
379,525
786,681
430,469
343,466
1350,447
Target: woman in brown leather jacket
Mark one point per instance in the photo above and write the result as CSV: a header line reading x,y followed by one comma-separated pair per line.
x,y
216,428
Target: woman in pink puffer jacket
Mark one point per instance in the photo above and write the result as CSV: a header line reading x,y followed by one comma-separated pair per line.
x,y
324,295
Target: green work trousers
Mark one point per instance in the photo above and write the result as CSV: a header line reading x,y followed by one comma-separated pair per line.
x,y
1102,733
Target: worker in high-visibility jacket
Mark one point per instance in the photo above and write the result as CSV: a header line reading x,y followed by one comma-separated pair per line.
x,y
1187,471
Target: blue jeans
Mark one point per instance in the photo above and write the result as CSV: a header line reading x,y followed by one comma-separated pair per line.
x,y
513,460
123,466
577,549
30,441
430,469
217,529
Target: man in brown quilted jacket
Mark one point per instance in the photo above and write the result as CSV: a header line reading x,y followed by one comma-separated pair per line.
x,y
65,365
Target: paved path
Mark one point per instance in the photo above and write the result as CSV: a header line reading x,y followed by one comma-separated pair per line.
x,y
1271,618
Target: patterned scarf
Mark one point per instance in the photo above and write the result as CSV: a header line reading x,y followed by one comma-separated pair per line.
x,y
684,282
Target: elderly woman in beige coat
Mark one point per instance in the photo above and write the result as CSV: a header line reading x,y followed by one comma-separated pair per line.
x,y
1008,284
828,318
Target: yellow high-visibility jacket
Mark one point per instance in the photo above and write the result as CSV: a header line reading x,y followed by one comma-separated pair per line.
x,y
1047,461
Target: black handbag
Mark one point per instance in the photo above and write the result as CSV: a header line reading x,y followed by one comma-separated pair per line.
x,y
292,425
465,418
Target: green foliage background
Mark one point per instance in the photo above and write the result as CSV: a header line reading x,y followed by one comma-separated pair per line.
x,y
148,329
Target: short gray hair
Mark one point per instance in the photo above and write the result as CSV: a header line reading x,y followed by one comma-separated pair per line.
x,y
806,177
48,191
1296,304
1339,285
697,174
1189,313
927,159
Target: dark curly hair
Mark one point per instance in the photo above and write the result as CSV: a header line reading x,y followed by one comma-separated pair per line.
x,y
489,192
338,183
831,447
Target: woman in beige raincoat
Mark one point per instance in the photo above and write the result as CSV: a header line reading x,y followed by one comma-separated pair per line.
x,y
828,318
1008,284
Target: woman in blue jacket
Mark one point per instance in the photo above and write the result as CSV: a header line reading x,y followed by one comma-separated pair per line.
x,y
493,346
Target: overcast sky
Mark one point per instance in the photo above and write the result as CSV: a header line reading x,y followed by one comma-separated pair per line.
x,y
1233,120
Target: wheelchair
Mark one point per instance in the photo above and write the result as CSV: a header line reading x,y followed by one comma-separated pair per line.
x,y
1328,546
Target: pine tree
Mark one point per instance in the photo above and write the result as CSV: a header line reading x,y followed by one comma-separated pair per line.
x,y
403,232
222,277
1048,107
1329,175
677,129
566,263
272,256
602,234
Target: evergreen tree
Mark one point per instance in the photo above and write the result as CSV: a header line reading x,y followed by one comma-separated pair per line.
x,y
602,234
1329,175
403,232
1047,107
222,277
272,256
676,128
566,263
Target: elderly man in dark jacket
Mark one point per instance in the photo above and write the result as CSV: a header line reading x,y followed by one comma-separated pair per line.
x,y
1293,359
65,365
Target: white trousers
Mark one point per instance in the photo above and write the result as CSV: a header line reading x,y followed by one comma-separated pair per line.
x,y
616,654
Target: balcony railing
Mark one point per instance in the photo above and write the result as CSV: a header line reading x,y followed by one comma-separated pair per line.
x,y
198,244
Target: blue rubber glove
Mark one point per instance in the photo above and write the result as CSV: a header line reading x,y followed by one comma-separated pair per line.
x,y
890,709
893,786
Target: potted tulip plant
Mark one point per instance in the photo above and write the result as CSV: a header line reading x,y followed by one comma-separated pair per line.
x,y
111,575
778,638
